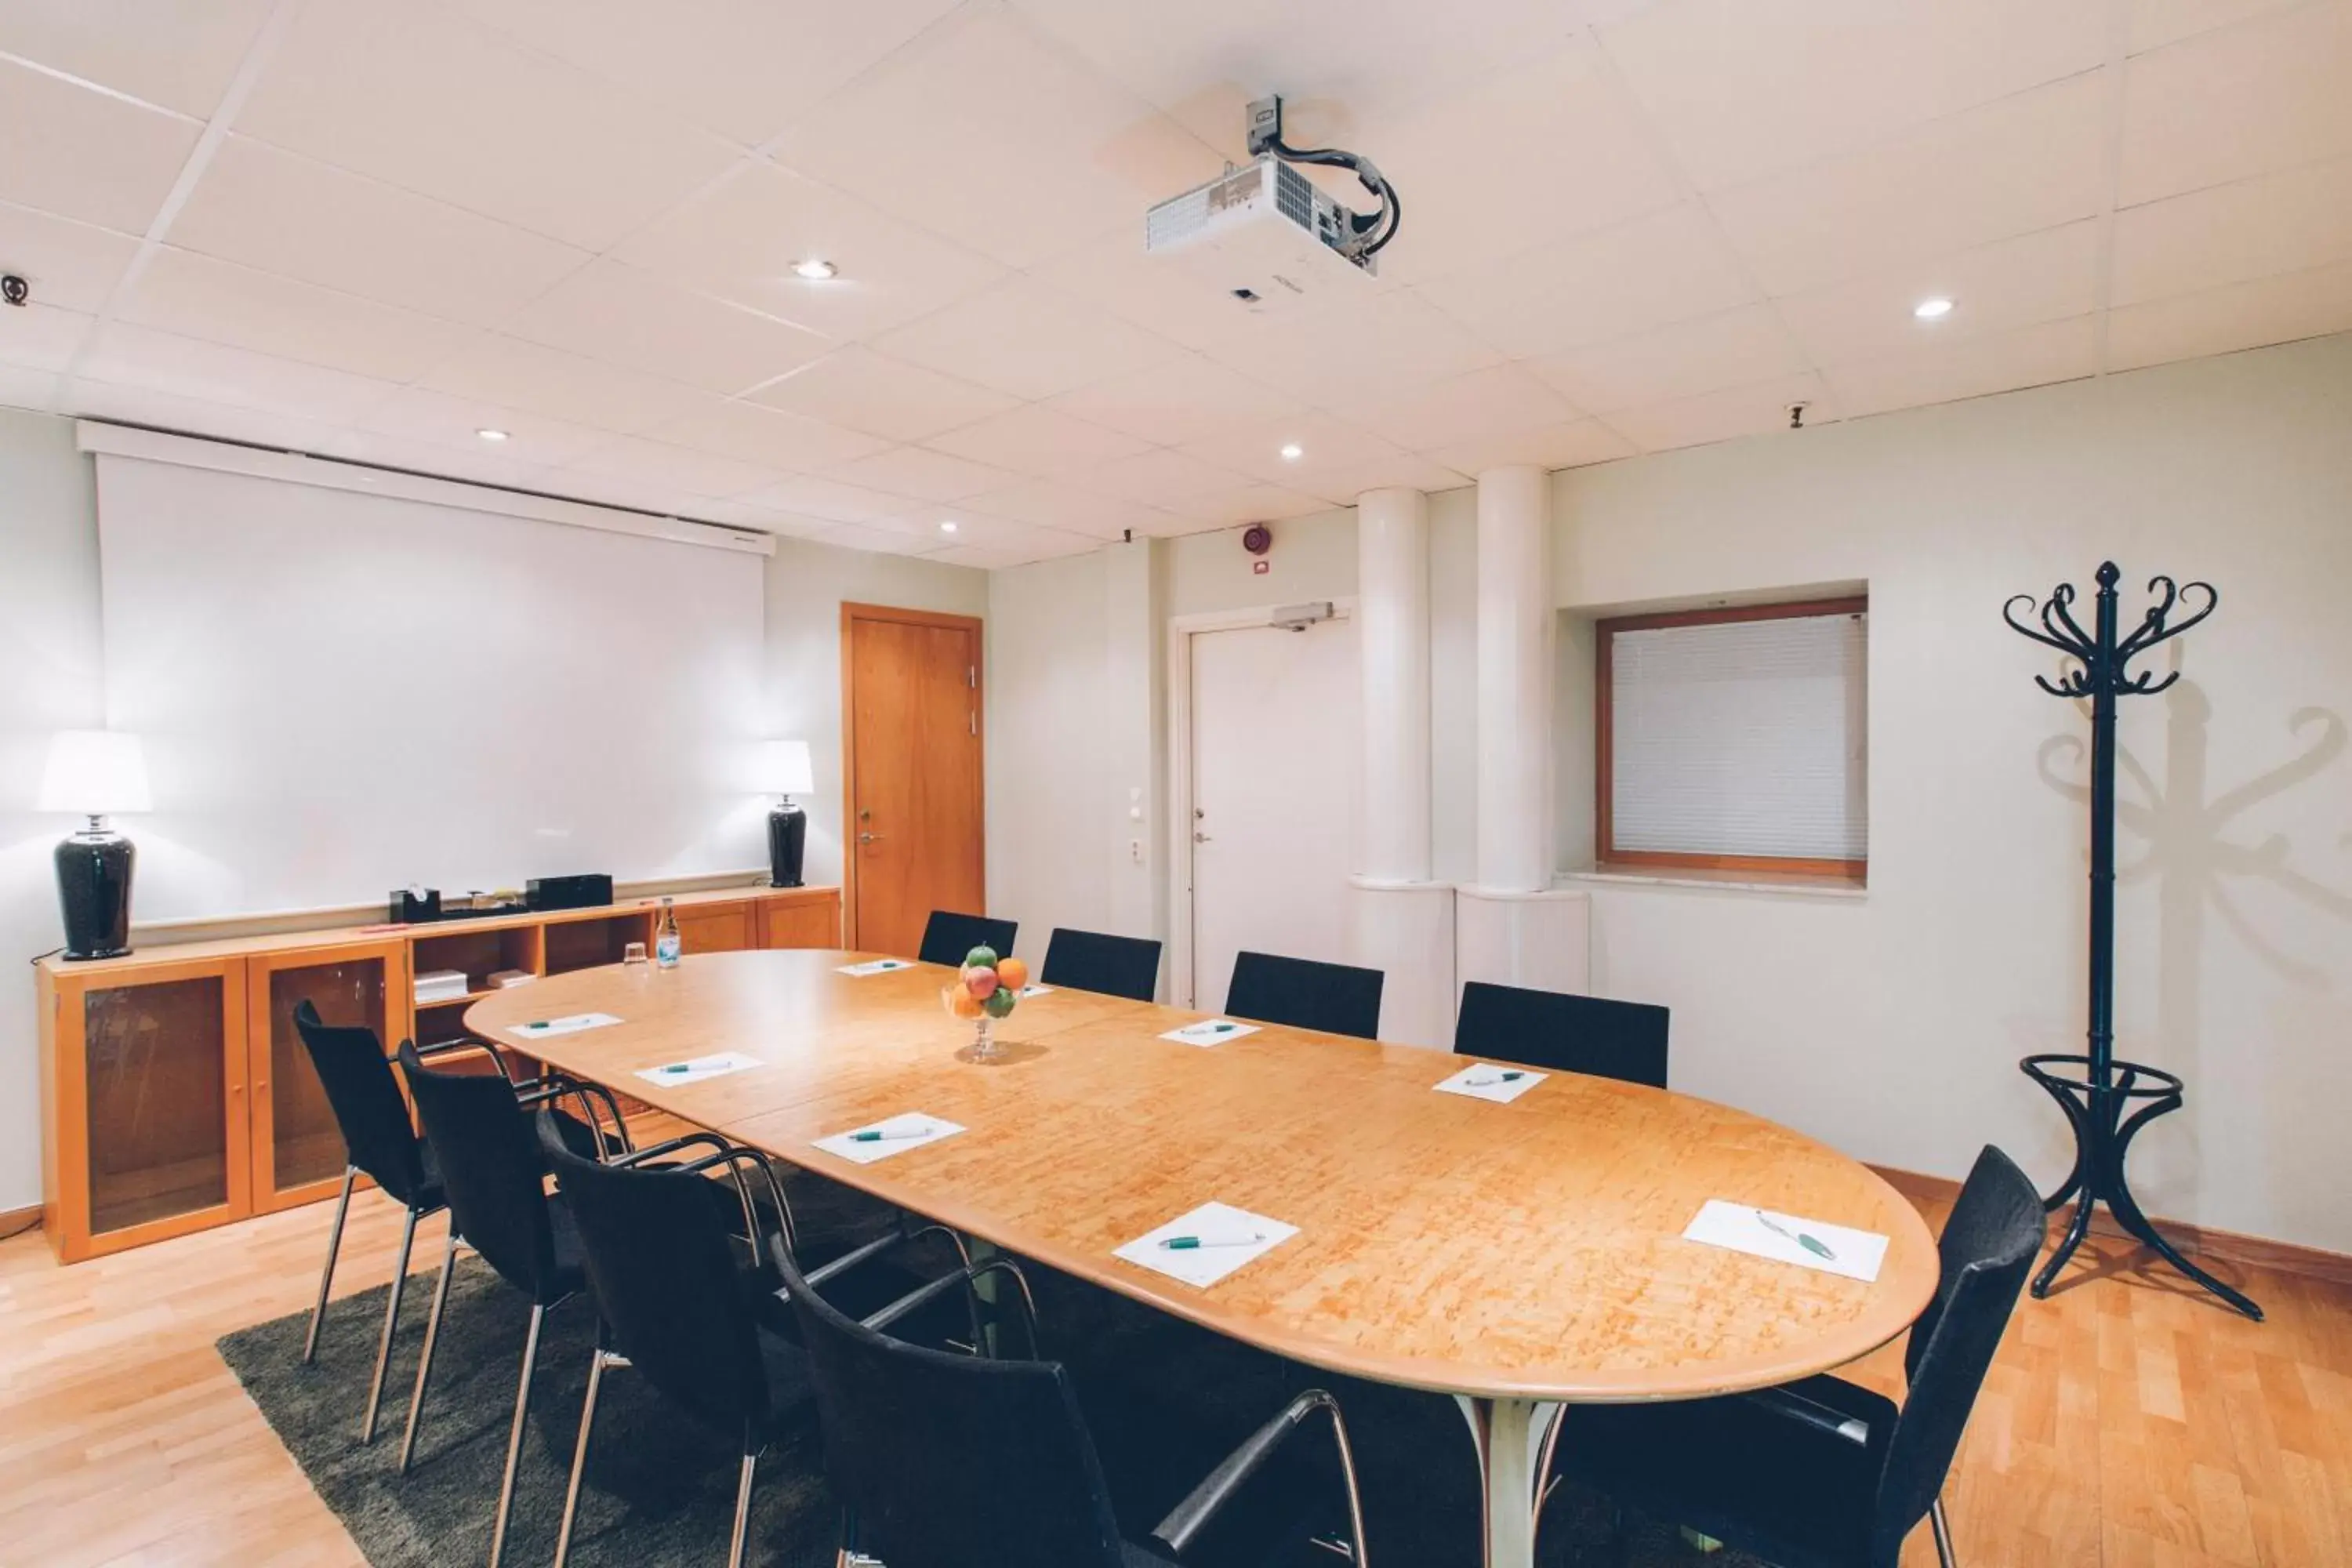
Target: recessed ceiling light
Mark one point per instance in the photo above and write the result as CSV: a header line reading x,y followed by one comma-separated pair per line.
x,y
947,527
489,435
1293,452
1934,309
814,269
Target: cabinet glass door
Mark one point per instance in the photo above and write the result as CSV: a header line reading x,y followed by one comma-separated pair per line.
x,y
298,1149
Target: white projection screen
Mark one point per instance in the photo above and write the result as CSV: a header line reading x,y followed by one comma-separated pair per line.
x,y
342,694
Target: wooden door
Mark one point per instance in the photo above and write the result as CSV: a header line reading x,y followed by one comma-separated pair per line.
x,y
912,715
298,1148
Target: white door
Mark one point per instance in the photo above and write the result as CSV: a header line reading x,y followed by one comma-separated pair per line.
x,y
1274,796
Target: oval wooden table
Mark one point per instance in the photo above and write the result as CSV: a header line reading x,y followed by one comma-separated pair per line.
x,y
1519,1256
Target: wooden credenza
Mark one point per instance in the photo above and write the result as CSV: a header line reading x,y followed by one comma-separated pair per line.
x,y
176,1095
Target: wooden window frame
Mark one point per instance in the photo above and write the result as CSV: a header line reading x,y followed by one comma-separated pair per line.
x,y
1605,633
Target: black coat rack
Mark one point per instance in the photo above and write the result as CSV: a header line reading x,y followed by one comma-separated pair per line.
x,y
2097,1101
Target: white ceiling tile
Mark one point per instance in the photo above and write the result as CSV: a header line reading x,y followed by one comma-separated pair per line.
x,y
2267,94
1967,367
2222,321
1341,484
2030,161
516,374
1186,399
1574,444
835,502
1501,398
627,317
179,56
983,531
1035,439
136,358
1250,503
203,405
486,466
1359,352
73,265
866,390
198,297
1741,89
1114,273
743,514
742,68
661,465
285,214
2156,23
1337,459
1737,348
42,337
1721,416
770,436
22,388
1050,505
1028,338
850,536
739,239
2037,277
85,154
424,417
2286,222
417,96
1667,267
1163,478
921,474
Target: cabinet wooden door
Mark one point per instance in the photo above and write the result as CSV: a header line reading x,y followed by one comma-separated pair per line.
x,y
714,928
151,1116
297,1149
800,922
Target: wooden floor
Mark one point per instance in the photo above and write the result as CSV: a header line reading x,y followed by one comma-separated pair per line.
x,y
2128,1423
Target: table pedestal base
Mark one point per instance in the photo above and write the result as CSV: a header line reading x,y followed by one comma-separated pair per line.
x,y
1512,1437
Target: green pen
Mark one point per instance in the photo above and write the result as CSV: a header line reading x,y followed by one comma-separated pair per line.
x,y
1194,1243
674,1067
1813,1245
1489,1082
875,1134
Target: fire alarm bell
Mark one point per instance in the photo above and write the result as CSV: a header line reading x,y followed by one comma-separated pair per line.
x,y
1257,539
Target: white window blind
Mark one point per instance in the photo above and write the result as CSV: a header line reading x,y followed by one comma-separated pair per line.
x,y
1744,737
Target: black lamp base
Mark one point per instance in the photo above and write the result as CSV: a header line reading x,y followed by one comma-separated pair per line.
x,y
787,839
94,893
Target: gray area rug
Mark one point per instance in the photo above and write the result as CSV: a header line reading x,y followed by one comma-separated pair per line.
x,y
660,1488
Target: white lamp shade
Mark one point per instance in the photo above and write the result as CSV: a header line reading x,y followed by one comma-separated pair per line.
x,y
785,768
95,772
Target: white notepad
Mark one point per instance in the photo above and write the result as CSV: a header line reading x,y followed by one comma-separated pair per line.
x,y
1485,1080
541,1028
1210,1031
1229,1237
876,966
1767,1233
694,1070
881,1140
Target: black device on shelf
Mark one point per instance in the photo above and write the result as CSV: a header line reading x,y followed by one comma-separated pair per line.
x,y
412,906
583,892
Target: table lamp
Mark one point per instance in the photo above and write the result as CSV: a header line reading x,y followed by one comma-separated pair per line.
x,y
784,768
94,773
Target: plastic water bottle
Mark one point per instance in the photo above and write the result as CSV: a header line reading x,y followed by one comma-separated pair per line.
x,y
668,943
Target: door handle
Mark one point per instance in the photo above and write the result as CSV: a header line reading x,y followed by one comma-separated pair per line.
x,y
1200,838
868,837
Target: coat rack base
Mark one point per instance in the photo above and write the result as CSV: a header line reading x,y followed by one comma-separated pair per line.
x,y
2095,1106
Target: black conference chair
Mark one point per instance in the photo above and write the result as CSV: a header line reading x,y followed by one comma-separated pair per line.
x,y
950,1461
1336,998
1091,961
948,936
480,1129
1552,1029
684,1301
1821,1473
379,1143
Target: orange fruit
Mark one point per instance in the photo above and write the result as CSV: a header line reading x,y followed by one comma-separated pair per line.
x,y
962,1002
1013,973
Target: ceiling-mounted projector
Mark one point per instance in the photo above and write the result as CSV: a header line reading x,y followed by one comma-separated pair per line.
x,y
1267,236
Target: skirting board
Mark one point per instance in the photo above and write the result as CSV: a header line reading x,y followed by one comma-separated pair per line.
x,y
14,1222
2248,1251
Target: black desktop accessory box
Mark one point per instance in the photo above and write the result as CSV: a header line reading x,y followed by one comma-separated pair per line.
x,y
568,892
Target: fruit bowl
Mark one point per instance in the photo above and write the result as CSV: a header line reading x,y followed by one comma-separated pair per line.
x,y
985,989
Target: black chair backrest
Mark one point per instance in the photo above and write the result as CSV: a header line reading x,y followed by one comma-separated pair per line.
x,y
1338,998
666,1283
1593,1034
490,1168
948,936
953,1461
1995,1232
365,1098
1092,960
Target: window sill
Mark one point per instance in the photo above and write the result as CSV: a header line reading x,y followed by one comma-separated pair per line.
x,y
1798,884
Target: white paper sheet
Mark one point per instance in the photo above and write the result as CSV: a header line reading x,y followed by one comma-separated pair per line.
x,y
1743,1228
1210,1031
876,966
541,1028
896,1135
1487,1081
1229,1237
1028,991
671,1074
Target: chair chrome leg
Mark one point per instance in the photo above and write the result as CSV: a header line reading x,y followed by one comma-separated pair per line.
x,y
391,1323
514,1436
743,1506
327,1274
596,1363
1943,1529
424,1357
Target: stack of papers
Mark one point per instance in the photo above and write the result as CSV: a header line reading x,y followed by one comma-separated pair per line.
x,y
881,1140
442,985
1789,1238
670,1074
571,1023
1487,1081
1204,1246
1210,1031
876,966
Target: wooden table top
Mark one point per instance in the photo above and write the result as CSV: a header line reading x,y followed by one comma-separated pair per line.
x,y
1528,1250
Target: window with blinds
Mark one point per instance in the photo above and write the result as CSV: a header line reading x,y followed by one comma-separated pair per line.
x,y
1736,739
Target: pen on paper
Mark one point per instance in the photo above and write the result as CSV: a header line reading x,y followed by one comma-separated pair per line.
x,y
1810,1244
1194,1243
